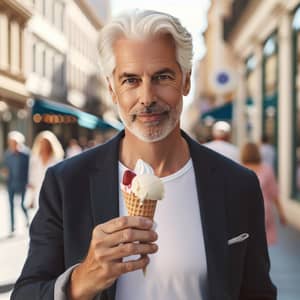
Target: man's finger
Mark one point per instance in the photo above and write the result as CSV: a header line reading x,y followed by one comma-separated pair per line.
x,y
125,222
125,250
132,265
128,235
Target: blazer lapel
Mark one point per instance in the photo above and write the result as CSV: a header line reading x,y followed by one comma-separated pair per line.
x,y
211,195
104,179
104,195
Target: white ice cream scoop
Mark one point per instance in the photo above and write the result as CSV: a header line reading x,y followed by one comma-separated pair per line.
x,y
147,186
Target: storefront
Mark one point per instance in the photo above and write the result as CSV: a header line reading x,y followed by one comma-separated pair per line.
x,y
267,46
68,122
14,115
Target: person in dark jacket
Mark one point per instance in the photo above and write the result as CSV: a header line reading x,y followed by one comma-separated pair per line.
x,y
16,164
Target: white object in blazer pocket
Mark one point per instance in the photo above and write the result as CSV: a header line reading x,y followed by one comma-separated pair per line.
x,y
238,239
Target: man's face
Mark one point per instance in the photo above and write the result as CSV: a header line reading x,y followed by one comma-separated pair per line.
x,y
148,86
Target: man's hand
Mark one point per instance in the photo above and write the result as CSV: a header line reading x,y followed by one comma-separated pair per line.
x,y
111,242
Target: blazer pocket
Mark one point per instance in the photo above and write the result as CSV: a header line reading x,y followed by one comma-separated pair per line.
x,y
237,250
238,239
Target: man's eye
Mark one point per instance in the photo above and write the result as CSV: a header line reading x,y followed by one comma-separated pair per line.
x,y
130,80
162,77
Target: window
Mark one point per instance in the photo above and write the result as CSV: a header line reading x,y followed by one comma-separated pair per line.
x,y
53,67
295,188
44,63
34,54
270,91
38,60
59,15
44,7
251,88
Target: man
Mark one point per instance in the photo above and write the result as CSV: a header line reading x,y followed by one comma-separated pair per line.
x,y
221,141
16,163
210,229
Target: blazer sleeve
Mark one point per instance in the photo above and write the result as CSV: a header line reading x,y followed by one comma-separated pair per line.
x,y
45,260
256,284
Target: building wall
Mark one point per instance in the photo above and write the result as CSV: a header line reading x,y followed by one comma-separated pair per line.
x,y
270,75
13,94
47,49
218,58
82,35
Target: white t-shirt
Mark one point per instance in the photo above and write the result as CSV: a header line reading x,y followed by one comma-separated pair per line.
x,y
178,270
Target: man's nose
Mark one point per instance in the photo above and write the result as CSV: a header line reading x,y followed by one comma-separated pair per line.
x,y
147,94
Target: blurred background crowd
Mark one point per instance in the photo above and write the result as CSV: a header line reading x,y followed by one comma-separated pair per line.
x,y
244,103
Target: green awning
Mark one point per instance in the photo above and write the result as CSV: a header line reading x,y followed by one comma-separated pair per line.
x,y
220,113
84,119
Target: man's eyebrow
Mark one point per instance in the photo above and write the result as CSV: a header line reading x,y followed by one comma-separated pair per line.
x,y
127,75
159,72
165,70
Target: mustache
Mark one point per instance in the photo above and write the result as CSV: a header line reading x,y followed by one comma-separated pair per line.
x,y
153,108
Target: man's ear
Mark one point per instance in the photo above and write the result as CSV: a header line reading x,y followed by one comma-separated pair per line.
x,y
111,90
187,83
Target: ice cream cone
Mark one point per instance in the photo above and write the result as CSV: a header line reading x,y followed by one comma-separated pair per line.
x,y
137,208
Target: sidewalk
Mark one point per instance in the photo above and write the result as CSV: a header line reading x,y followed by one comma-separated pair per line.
x,y
285,263
13,250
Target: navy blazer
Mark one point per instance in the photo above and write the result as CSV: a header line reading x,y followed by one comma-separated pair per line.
x,y
83,191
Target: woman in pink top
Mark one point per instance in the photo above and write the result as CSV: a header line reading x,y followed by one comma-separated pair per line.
x,y
251,158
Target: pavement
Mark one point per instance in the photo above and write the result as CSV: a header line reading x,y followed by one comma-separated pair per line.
x,y
285,255
13,250
285,263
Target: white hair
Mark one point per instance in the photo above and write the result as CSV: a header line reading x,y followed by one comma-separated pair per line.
x,y
141,24
221,129
16,136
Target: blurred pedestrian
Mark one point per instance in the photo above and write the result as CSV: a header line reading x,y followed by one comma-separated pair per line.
x,y
221,132
251,158
46,151
267,151
16,160
73,148
83,142
91,143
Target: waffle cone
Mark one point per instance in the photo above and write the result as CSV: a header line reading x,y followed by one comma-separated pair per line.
x,y
134,207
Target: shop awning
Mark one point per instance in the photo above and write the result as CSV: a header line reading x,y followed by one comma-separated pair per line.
x,y
223,112
84,119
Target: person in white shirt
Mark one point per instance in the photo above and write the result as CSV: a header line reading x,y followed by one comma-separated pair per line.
x,y
221,141
46,151
210,241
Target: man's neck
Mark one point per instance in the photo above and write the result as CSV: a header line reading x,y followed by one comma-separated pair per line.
x,y
165,157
